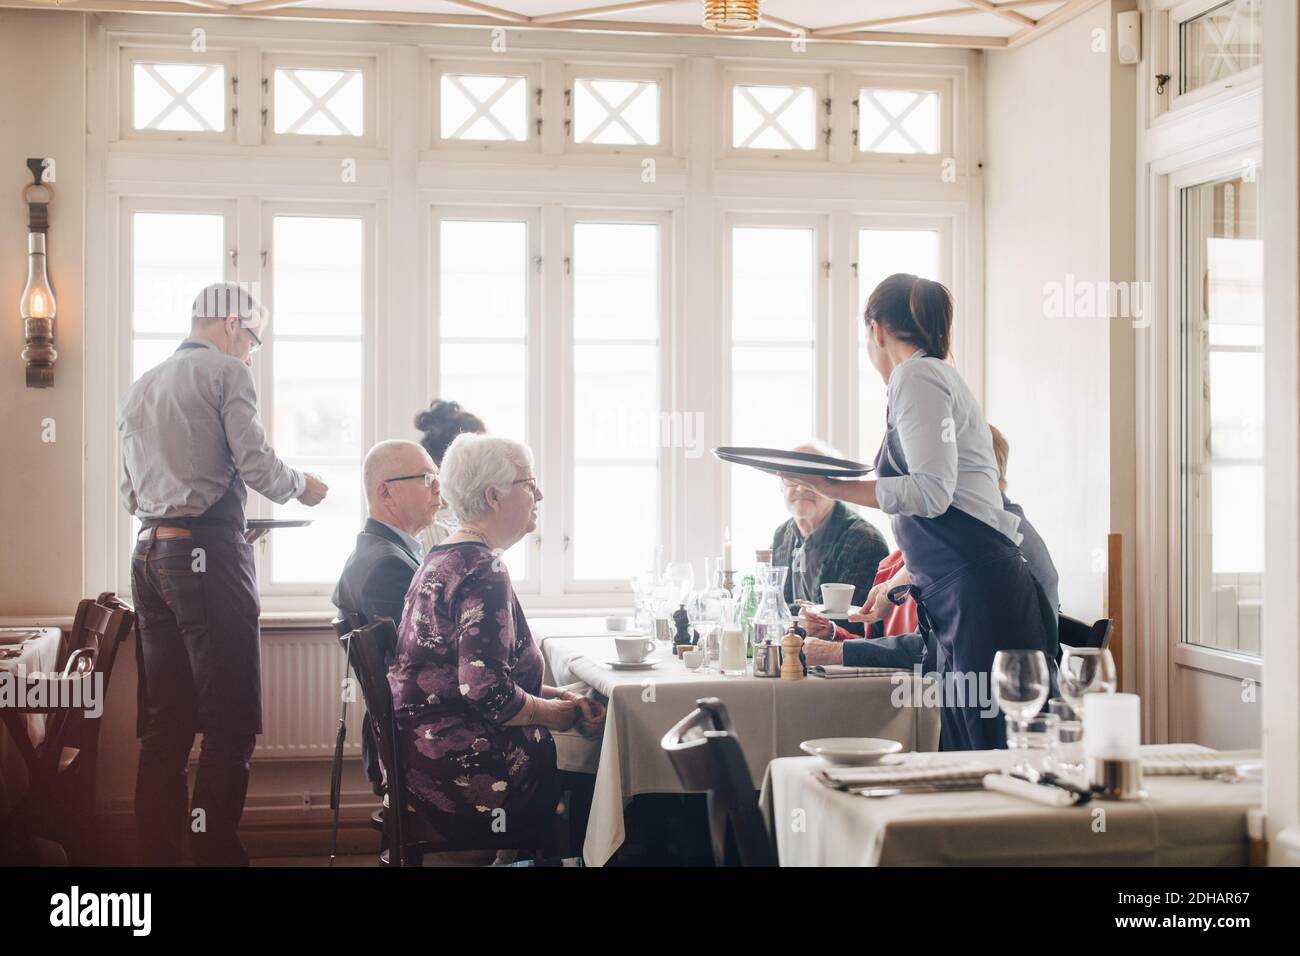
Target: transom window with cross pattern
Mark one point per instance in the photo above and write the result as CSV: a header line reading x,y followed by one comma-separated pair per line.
x,y
898,121
484,107
774,117
1220,42
319,102
616,112
186,97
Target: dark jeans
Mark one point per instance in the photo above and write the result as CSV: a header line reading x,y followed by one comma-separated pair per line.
x,y
200,672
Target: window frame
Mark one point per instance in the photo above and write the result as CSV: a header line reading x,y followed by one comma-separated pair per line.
x,y
367,66
1168,50
820,224
663,220
660,75
918,162
533,345
530,69
819,82
129,55
264,368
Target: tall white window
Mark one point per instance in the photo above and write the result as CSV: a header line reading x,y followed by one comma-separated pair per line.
x,y
315,360
774,279
618,427
485,303
881,253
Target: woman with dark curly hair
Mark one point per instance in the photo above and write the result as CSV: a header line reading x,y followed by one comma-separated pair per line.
x,y
439,424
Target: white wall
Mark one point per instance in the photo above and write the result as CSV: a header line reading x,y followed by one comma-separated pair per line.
x,y
42,114
1049,181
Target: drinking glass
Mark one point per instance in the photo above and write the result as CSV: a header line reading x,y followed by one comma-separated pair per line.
x,y
1020,687
1034,741
1069,738
1083,671
681,576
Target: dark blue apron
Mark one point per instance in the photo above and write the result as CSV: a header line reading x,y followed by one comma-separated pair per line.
x,y
982,599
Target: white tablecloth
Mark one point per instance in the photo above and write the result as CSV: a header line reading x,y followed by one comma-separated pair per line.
x,y
39,656
1187,821
771,717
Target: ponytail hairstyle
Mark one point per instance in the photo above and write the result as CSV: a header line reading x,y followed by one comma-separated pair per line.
x,y
441,422
914,310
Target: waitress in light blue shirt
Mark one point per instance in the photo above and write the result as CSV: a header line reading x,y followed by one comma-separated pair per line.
x,y
938,482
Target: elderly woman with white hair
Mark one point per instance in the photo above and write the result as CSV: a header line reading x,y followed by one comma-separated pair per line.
x,y
474,717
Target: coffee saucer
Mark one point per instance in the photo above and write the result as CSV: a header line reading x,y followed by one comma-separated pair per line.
x,y
835,615
644,665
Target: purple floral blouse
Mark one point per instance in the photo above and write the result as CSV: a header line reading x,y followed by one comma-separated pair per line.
x,y
465,660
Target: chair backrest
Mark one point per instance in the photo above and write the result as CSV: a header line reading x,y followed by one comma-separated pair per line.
x,y
99,629
1076,633
706,754
369,648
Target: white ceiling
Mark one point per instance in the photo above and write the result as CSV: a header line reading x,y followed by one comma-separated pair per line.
x,y
968,23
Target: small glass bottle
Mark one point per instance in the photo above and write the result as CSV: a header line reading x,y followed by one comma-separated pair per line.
x,y
748,604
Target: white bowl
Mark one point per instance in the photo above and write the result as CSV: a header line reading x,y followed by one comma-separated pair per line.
x,y
851,751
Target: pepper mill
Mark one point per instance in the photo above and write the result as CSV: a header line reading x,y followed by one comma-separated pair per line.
x,y
682,640
792,665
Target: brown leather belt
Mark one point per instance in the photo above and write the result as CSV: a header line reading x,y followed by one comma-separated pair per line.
x,y
162,533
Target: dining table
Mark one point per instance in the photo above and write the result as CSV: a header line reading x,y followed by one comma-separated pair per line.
x,y
771,718
1185,819
38,653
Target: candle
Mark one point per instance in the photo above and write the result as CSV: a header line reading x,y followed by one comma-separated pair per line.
x,y
732,657
726,551
1112,726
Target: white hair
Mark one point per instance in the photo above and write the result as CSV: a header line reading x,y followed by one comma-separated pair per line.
x,y
383,462
475,463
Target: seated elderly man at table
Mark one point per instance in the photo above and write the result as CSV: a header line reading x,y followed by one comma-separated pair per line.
x,y
474,718
401,483
823,542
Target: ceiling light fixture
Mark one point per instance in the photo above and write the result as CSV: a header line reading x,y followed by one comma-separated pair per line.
x,y
731,16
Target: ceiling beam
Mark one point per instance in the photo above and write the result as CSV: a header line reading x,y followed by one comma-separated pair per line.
x,y
988,6
890,21
784,24
549,19
1066,11
257,6
508,15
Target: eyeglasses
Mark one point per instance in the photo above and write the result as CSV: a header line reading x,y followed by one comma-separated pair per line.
x,y
427,478
530,482
257,342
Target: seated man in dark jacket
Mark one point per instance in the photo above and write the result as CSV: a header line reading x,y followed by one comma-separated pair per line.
x,y
824,543
401,483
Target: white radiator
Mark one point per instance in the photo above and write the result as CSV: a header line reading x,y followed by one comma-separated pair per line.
x,y
302,673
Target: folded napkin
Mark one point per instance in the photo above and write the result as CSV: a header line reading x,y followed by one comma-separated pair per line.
x,y
941,770
1194,762
843,670
17,635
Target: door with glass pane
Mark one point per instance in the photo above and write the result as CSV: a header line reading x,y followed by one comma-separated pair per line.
x,y
1217,252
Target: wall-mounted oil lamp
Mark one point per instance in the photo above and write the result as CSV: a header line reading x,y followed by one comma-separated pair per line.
x,y
37,306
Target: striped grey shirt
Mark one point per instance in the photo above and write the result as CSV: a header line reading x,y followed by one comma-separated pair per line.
x,y
188,426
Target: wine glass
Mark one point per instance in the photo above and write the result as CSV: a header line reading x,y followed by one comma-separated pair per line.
x,y
1020,687
1083,671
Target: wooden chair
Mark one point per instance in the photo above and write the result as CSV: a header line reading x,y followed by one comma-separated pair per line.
x,y
706,754
343,625
407,834
1076,633
60,800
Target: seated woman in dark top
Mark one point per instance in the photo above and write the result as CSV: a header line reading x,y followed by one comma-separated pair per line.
x,y
474,718
824,543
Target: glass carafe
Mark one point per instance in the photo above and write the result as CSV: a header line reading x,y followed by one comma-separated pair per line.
x,y
773,615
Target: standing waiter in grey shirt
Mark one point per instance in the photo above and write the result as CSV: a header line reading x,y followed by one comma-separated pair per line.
x,y
191,442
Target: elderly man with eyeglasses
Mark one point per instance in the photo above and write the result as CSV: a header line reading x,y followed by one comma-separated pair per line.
x,y
402,495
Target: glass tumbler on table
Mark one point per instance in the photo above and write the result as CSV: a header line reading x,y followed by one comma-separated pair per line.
x,y
1020,687
1069,738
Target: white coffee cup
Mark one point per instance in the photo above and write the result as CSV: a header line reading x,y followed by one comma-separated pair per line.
x,y
633,649
837,597
693,659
